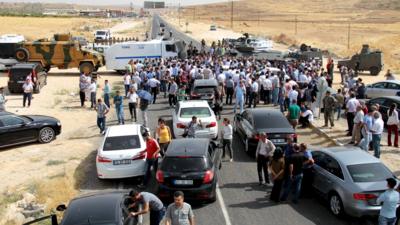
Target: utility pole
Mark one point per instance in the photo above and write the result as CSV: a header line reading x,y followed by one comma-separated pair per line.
x,y
259,12
194,14
348,37
232,14
179,12
295,25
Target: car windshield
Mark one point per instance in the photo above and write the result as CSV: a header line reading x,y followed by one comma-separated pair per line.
x,y
264,122
183,164
101,33
370,172
204,89
199,112
121,143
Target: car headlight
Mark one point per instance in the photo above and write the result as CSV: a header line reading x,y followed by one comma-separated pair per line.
x,y
59,123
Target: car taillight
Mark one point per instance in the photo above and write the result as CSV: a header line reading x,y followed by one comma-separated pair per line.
x,y
256,136
102,159
294,136
181,125
363,196
141,155
212,124
160,176
208,177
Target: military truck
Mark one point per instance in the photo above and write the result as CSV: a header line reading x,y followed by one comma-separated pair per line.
x,y
306,52
61,52
366,60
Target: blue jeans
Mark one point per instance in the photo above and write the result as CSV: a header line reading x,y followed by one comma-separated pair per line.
x,y
107,100
126,89
239,101
275,95
27,96
339,111
376,144
156,216
120,115
386,221
296,184
149,163
101,123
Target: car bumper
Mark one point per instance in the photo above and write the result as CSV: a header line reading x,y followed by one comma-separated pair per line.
x,y
137,168
204,192
360,210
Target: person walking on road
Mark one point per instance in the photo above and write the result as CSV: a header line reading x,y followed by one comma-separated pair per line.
x,y
339,102
253,93
92,89
229,90
102,110
351,108
164,136
265,149
277,168
84,82
329,109
293,113
240,92
133,100
227,135
393,125
150,202
154,87
172,91
389,200
377,130
357,124
127,83
119,107
27,92
3,100
152,154
179,212
107,92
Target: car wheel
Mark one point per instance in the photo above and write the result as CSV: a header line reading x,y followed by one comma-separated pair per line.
x,y
374,70
86,67
336,205
46,135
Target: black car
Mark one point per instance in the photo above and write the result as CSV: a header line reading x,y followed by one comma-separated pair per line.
x,y
204,89
19,72
191,166
384,105
16,129
105,208
252,122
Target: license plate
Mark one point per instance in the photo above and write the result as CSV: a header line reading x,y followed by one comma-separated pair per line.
x,y
278,140
183,182
20,82
122,162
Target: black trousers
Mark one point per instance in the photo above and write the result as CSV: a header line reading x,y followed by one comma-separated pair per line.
x,y
27,96
82,97
229,95
154,91
350,122
276,190
253,99
132,109
306,183
262,166
227,143
267,96
304,121
172,100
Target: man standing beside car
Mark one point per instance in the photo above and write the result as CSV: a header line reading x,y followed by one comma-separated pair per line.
x,y
102,110
150,203
27,95
179,212
152,154
389,200
265,150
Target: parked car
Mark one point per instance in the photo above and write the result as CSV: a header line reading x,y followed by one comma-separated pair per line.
x,y
251,122
94,208
350,179
185,110
204,90
383,88
191,166
384,105
19,72
213,28
16,129
122,153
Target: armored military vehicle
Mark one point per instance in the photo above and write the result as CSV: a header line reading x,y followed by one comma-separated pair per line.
x,y
306,52
60,52
366,60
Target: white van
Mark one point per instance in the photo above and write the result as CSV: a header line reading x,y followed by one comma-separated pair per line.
x,y
102,35
119,54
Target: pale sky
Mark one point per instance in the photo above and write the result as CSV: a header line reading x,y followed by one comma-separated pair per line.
x,y
119,2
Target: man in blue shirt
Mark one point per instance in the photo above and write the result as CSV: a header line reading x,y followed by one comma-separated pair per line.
x,y
119,107
389,200
240,91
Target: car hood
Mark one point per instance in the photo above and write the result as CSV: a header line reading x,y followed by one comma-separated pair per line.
x,y
288,130
39,118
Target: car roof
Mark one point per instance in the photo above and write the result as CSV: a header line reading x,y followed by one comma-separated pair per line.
x,y
123,130
350,155
196,147
388,81
92,208
205,82
193,103
395,98
24,66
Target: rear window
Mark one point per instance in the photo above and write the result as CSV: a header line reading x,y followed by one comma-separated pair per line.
x,y
370,172
199,112
204,89
121,143
194,164
264,121
20,72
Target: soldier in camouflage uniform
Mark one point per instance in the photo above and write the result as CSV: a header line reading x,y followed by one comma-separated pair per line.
x,y
329,108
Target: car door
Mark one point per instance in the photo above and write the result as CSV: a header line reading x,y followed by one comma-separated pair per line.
x,y
318,167
376,90
332,174
18,130
392,89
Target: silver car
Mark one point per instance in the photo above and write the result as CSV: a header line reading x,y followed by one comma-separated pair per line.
x,y
383,88
350,179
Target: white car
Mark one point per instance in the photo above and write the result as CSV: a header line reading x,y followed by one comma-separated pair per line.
x,y
383,88
185,110
122,152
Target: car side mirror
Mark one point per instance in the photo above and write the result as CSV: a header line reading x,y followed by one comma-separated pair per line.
x,y
61,207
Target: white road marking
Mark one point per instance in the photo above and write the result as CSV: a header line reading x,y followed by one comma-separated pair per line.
x,y
223,207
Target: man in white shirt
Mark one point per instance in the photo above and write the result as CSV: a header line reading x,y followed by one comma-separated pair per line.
x,y
28,90
92,89
358,121
264,152
267,86
127,83
154,86
351,108
389,200
376,130
293,94
253,93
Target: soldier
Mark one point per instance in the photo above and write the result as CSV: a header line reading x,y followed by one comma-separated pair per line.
x,y
329,108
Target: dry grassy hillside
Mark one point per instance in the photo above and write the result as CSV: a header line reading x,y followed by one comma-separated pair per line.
x,y
322,23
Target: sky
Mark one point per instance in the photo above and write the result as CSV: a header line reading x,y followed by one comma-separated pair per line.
x,y
119,2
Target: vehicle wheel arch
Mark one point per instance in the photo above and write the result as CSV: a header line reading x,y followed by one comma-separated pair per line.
x,y
46,127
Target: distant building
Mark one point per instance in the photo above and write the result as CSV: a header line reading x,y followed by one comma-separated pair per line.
x,y
154,4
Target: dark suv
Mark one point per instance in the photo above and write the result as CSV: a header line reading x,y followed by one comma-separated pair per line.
x,y
19,72
191,166
204,89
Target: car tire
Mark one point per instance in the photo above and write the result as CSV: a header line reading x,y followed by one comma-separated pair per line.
x,y
86,67
46,135
22,55
336,205
374,70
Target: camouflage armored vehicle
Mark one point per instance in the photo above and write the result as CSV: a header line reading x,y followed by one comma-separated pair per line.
x,y
60,52
306,52
366,60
